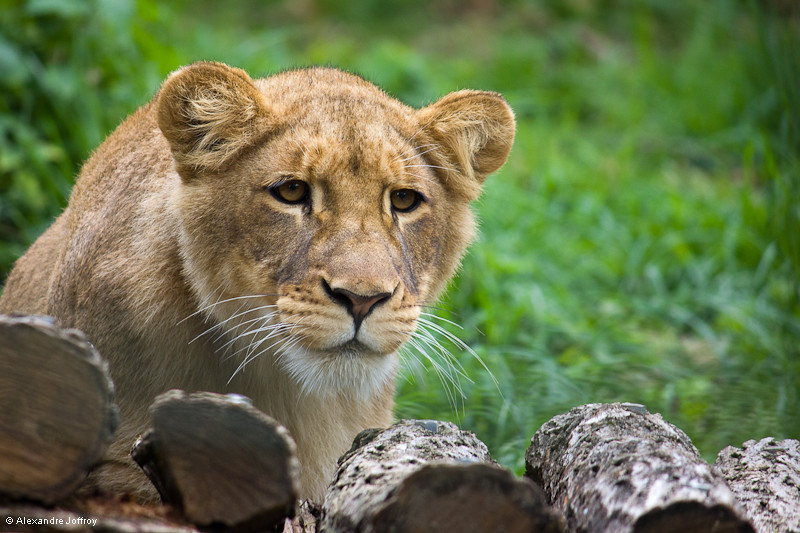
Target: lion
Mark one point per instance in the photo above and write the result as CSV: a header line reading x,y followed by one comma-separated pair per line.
x,y
277,238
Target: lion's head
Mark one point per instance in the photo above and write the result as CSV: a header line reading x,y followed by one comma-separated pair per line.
x,y
319,216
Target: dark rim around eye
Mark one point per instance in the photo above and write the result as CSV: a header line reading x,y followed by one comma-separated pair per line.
x,y
399,196
290,192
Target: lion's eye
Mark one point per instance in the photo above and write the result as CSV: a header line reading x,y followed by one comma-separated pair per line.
x,y
405,200
291,192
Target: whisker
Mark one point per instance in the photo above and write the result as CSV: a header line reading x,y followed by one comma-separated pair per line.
x,y
220,302
461,344
437,305
432,166
253,356
220,325
411,363
204,305
264,319
426,303
432,342
424,126
231,344
299,141
273,329
431,315
437,308
217,327
287,345
277,329
440,370
445,378
417,340
430,148
440,330
411,149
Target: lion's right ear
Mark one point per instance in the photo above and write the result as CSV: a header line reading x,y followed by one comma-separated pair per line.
x,y
209,112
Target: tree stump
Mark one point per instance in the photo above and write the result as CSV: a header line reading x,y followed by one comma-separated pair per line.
x,y
430,477
220,461
57,414
765,477
617,468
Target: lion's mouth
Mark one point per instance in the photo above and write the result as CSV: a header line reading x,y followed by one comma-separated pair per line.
x,y
351,367
352,348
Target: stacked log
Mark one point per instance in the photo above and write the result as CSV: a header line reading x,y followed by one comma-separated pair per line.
x,y
57,414
765,477
221,464
249,478
427,476
618,468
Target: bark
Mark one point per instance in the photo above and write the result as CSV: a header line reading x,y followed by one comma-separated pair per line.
x,y
220,461
57,414
765,477
430,476
305,520
617,468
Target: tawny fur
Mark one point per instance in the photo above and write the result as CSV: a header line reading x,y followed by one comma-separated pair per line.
x,y
187,272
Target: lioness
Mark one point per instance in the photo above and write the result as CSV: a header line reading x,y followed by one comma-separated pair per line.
x,y
275,237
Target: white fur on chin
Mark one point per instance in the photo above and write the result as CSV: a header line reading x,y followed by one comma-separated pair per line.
x,y
362,377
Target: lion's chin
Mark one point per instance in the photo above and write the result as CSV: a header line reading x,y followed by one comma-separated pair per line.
x,y
350,370
351,349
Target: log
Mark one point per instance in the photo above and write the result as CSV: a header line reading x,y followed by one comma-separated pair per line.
x,y
617,468
305,520
425,476
220,461
765,477
57,414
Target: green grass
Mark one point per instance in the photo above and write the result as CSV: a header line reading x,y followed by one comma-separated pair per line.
x,y
640,245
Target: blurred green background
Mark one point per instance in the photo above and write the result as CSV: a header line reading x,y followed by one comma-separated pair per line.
x,y
642,244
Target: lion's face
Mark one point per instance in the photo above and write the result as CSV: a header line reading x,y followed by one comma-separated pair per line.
x,y
320,217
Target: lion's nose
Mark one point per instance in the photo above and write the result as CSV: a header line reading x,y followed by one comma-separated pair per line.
x,y
359,305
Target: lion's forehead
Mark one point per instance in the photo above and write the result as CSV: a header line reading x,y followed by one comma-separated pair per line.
x,y
360,158
327,88
346,136
333,104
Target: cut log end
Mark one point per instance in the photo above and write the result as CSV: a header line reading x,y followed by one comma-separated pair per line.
x,y
220,461
466,498
58,414
425,476
692,517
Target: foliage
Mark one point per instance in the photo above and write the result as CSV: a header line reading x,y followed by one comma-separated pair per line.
x,y
71,70
640,245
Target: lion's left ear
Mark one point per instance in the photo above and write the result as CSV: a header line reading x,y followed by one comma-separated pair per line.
x,y
475,130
